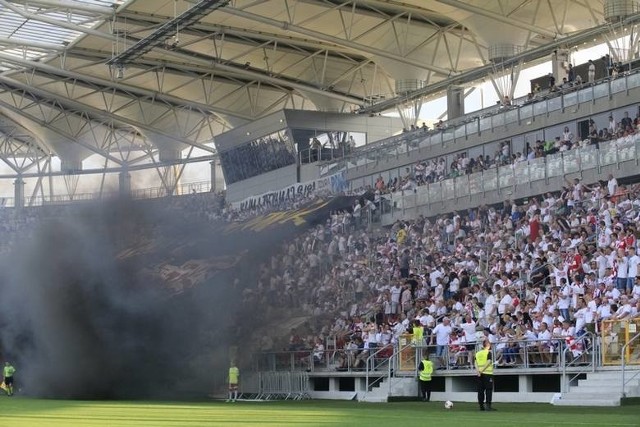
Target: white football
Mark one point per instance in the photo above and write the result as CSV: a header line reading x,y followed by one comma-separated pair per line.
x,y
448,404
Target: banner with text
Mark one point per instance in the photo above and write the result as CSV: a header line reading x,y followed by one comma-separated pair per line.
x,y
332,184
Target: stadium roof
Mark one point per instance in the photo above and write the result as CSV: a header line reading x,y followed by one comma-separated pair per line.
x,y
124,79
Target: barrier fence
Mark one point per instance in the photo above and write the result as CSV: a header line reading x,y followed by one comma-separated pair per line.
x,y
508,352
522,173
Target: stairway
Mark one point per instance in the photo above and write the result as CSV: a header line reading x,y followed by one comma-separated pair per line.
x,y
379,393
600,389
399,387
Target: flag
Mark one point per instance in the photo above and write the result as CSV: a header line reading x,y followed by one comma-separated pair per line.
x,y
3,386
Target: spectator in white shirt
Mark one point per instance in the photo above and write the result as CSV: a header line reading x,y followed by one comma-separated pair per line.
x,y
441,337
632,273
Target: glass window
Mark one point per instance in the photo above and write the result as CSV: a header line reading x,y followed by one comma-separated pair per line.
x,y
435,192
618,85
485,124
633,80
472,127
536,169
601,91
585,95
540,108
588,158
489,180
259,156
475,183
498,120
570,159
448,190
462,186
554,165
521,172
526,111
570,99
505,175
554,104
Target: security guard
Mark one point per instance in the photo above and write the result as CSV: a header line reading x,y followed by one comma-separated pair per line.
x,y
418,333
484,369
425,369
7,373
234,376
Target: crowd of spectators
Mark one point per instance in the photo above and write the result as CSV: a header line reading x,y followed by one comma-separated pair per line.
x,y
437,169
545,270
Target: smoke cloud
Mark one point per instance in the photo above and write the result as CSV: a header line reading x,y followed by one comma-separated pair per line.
x,y
79,320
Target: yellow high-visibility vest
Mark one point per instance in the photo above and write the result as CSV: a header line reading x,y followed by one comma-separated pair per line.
x,y
425,374
481,359
418,334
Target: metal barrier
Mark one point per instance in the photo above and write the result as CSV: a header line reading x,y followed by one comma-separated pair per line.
x,y
376,362
554,165
624,354
284,386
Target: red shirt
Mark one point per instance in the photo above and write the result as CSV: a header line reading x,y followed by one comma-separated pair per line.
x,y
534,229
576,264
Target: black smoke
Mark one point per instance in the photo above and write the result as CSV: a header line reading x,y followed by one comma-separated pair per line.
x,y
78,321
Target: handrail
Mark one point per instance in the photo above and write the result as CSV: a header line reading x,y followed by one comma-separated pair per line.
x,y
623,358
451,126
420,196
368,369
566,384
392,361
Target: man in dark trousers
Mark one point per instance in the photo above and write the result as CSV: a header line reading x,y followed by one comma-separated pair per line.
x,y
424,375
484,369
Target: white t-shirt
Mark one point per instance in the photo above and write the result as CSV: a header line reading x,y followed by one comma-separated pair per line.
x,y
469,331
623,267
633,266
504,302
442,333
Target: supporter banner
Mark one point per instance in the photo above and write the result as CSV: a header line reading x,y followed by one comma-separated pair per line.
x,y
222,248
332,184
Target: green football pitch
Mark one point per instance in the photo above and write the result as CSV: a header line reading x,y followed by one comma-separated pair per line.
x,y
18,412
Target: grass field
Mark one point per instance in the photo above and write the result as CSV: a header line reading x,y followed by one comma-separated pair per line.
x,y
19,412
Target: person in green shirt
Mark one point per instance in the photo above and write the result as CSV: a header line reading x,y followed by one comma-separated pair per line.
x,y
7,373
234,376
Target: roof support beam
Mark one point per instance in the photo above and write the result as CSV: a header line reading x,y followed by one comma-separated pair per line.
x,y
166,30
477,73
66,4
118,86
95,112
52,21
286,26
497,17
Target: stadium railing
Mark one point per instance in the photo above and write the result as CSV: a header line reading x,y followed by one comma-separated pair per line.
x,y
523,173
581,353
481,122
624,355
